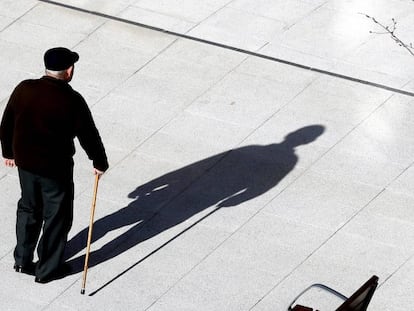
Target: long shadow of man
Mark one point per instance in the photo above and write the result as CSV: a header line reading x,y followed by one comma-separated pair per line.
x,y
223,180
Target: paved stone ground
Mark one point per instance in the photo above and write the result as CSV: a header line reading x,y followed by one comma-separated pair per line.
x,y
236,180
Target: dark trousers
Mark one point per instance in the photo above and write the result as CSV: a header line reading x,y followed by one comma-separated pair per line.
x,y
46,206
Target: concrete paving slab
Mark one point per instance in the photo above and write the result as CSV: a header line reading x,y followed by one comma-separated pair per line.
x,y
39,36
129,114
266,228
22,67
404,182
12,9
214,132
5,21
120,138
365,95
358,168
163,21
235,100
382,9
327,204
401,209
9,196
100,64
10,81
131,37
183,9
219,286
24,63
48,16
363,142
112,7
179,77
362,251
289,13
204,54
329,107
375,61
383,229
237,28
330,40
178,150
170,83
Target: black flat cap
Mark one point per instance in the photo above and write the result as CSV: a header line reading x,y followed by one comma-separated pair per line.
x,y
60,58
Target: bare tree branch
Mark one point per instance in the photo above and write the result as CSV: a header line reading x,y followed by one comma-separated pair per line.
x,y
390,29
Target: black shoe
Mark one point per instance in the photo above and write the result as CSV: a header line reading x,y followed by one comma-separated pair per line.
x,y
42,281
63,271
39,280
27,269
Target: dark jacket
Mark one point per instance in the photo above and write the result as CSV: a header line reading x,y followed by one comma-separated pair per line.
x,y
39,124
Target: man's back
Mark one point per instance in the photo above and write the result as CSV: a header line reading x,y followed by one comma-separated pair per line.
x,y
45,116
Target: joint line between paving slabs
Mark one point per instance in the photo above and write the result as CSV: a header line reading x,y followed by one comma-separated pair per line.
x,y
228,47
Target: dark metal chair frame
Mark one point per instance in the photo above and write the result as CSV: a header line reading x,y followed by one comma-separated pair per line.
x,y
357,302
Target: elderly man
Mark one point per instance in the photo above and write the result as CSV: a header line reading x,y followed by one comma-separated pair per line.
x,y
39,124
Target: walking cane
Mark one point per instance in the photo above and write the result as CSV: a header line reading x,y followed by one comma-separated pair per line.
x,y
88,247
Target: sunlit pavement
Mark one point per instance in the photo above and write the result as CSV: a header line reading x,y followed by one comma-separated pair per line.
x,y
255,148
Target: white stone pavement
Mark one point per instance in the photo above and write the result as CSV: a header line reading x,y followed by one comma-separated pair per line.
x,y
209,203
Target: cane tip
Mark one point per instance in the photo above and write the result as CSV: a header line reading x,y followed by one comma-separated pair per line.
x,y
82,291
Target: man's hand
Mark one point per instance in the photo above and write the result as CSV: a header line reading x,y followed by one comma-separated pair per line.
x,y
97,172
9,162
